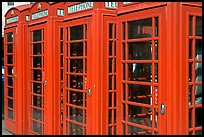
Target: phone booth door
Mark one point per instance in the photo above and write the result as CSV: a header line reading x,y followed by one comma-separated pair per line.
x,y
141,85
37,109
10,79
77,76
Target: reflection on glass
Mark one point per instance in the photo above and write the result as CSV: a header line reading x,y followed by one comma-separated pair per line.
x,y
198,26
10,70
76,32
198,117
76,49
37,62
10,92
76,65
198,54
10,103
190,48
140,29
76,114
37,49
76,82
140,93
198,69
190,71
76,98
37,35
140,72
37,127
9,59
37,101
156,27
10,114
190,25
37,75
37,114
138,131
198,94
75,129
10,37
37,88
140,50
9,48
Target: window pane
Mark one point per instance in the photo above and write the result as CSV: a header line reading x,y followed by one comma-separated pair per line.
x,y
198,69
37,127
37,114
198,117
75,129
110,30
198,94
140,50
10,48
76,81
198,49
10,114
140,29
10,92
76,98
198,26
37,75
10,37
76,65
190,48
190,25
37,49
123,24
76,49
37,62
37,35
76,32
10,103
10,70
137,131
37,101
10,81
156,27
10,59
76,114
37,88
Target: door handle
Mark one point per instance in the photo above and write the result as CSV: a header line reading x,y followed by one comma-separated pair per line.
x,y
162,109
89,92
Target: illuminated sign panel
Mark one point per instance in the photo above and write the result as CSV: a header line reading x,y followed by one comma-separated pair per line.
x,y
13,19
39,14
80,7
111,4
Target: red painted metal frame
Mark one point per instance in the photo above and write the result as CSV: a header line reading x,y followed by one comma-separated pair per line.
x,y
16,126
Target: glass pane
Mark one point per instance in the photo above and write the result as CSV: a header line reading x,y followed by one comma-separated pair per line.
x,y
198,69
76,98
156,118
110,65
37,75
10,48
114,99
10,37
76,82
37,62
110,48
10,103
37,127
76,65
156,49
156,73
140,93
37,35
10,59
199,132
140,115
124,129
124,97
110,82
198,117
198,54
190,95
190,118
156,27
10,81
124,112
110,116
61,61
10,92
140,72
37,49
76,49
110,30
190,25
10,70
198,94
140,29
75,129
76,114
110,99
76,32
37,101
37,114
61,33
190,71
137,131
110,130
37,88
10,114
190,48
124,71
140,50
61,47
198,26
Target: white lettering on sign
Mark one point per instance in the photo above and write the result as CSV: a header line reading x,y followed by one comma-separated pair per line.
x,y
13,19
126,2
39,14
111,4
60,12
80,7
27,18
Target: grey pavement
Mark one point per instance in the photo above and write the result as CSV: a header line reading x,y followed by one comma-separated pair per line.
x,y
4,131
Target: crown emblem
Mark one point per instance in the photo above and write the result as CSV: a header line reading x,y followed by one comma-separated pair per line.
x,y
39,6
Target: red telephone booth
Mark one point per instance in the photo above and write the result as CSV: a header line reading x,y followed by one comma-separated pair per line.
x,y
86,58
43,69
14,46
